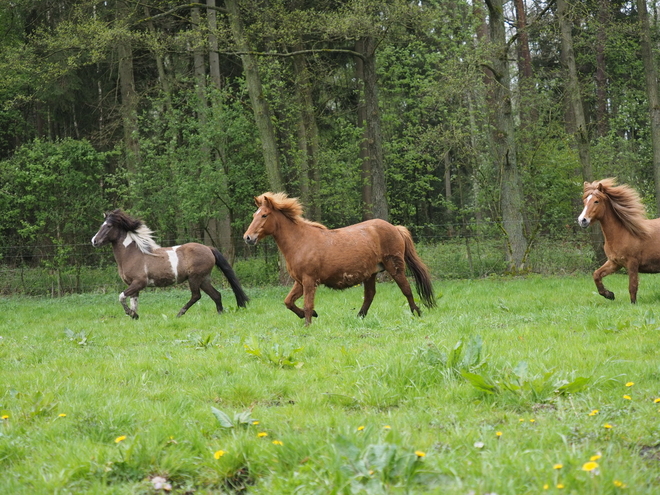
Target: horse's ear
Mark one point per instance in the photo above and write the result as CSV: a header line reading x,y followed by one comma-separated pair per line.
x,y
585,185
267,202
600,186
256,201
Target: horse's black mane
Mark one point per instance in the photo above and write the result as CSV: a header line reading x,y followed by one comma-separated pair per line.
x,y
119,218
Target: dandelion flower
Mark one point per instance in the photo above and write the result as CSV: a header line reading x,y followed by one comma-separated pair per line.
x,y
262,434
219,453
522,420
627,397
557,466
655,401
589,466
498,433
532,421
595,457
255,422
360,428
61,415
4,417
619,484
419,453
278,442
594,412
546,486
560,485
387,427
120,438
630,384
607,426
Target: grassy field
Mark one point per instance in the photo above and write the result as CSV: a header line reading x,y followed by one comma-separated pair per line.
x,y
510,386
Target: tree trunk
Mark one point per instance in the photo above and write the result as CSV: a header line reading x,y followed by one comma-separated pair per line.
x,y
577,124
260,107
310,137
652,93
129,99
602,124
373,134
221,225
505,144
367,194
160,66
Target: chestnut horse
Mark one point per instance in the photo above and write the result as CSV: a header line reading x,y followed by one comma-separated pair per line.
x,y
338,258
631,239
142,262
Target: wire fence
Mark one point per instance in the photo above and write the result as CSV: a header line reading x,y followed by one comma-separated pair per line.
x,y
450,251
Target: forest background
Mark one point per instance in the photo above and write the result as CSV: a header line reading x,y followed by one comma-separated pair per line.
x,y
473,123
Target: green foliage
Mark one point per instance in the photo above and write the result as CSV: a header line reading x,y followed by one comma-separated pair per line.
x,y
459,358
278,355
243,419
519,382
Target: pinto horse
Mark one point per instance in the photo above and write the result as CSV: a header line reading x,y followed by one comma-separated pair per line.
x,y
142,262
631,239
338,258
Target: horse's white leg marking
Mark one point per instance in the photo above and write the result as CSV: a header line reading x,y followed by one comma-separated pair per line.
x,y
174,261
581,218
134,303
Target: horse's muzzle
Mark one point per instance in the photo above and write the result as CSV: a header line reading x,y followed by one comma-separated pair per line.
x,y
583,222
251,240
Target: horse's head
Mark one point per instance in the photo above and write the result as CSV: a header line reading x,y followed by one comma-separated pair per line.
x,y
595,202
111,229
262,222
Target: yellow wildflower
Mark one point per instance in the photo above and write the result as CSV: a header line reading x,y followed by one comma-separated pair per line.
x,y
387,427
589,466
560,485
595,457
607,426
594,412
62,415
219,453
360,428
262,434
498,433
655,401
278,442
546,486
557,466
532,421
255,422
4,417
619,484
419,453
630,384
627,397
120,438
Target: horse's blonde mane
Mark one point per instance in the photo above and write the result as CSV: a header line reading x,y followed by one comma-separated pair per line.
x,y
626,204
289,207
143,239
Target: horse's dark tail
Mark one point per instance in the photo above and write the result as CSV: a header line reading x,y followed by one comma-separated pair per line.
x,y
223,264
419,270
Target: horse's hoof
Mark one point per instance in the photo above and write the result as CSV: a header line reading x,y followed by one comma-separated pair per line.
x,y
315,314
608,295
135,316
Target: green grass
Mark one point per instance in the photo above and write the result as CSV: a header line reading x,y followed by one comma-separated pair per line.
x,y
350,400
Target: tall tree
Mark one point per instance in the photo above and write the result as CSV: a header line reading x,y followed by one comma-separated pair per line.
x,y
504,140
262,112
651,93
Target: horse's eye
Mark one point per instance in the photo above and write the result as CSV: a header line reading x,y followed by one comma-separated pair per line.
x,y
596,202
264,216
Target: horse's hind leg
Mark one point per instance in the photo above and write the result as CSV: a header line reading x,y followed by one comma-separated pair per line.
x,y
369,293
213,294
607,269
195,295
396,267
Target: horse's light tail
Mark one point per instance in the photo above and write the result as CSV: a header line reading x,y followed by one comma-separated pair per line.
x,y
419,270
223,264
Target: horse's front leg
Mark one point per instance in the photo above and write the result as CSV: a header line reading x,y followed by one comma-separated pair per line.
x,y
292,297
133,292
633,281
309,289
607,269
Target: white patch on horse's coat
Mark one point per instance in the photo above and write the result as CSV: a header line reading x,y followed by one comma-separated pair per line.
x,y
102,225
258,211
584,211
174,261
134,303
122,298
